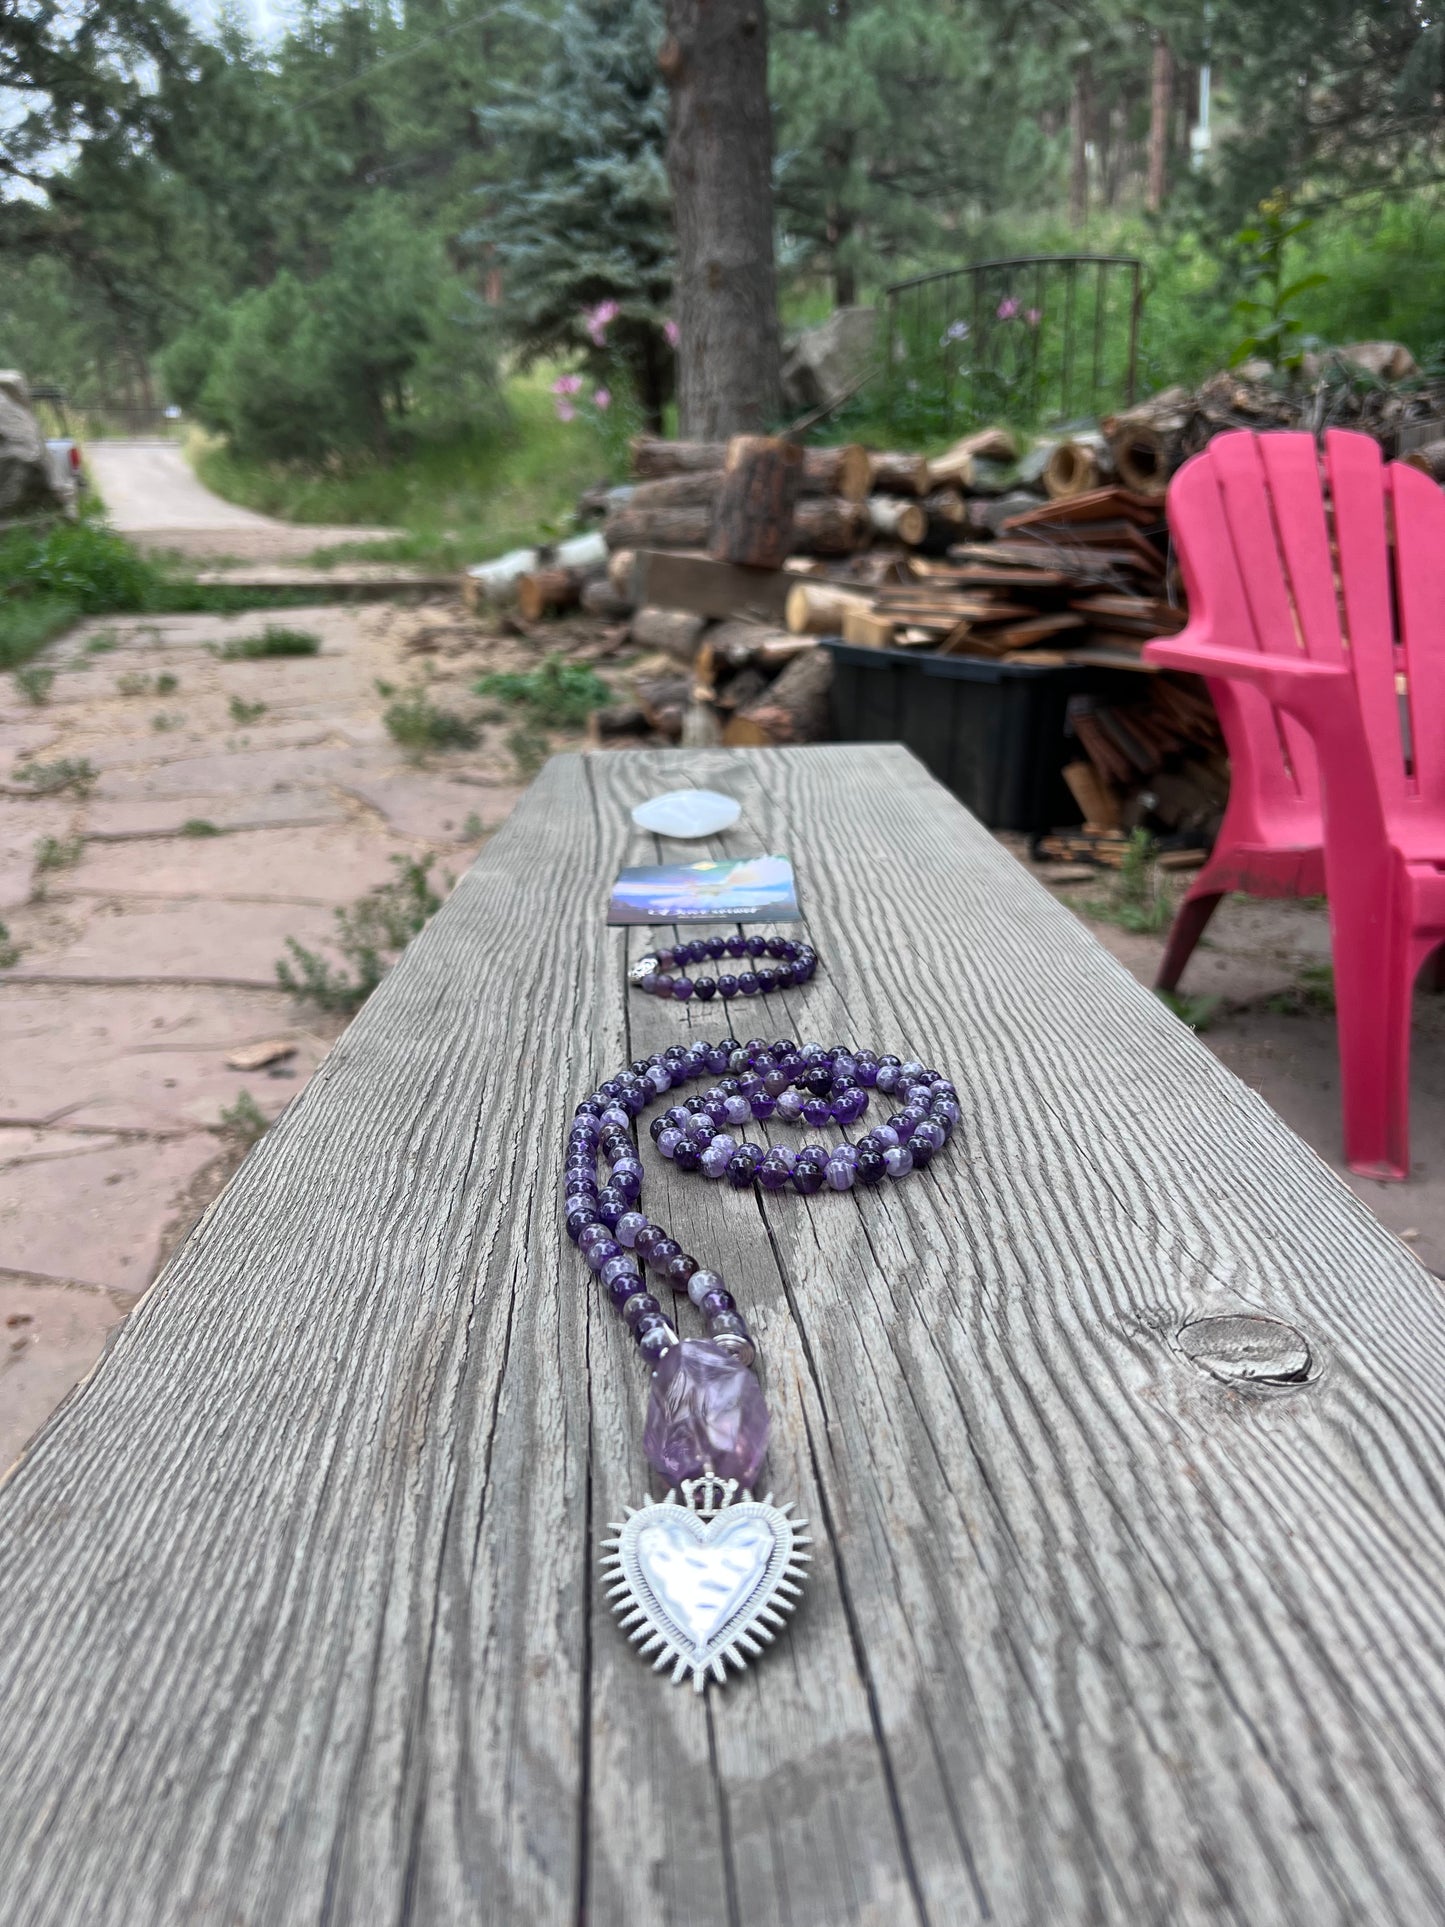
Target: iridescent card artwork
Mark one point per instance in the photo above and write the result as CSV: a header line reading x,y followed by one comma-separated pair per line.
x,y
737,890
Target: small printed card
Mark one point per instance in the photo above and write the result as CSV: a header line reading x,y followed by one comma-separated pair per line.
x,y
736,890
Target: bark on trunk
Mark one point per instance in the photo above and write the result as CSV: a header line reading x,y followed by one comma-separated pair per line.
x,y
1161,107
840,470
1081,128
719,159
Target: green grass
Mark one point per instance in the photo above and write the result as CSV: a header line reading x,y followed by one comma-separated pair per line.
x,y
419,724
1311,994
452,499
273,640
243,712
244,1121
1137,900
200,826
9,952
52,575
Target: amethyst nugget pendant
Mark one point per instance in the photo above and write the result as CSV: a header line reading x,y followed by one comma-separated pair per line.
x,y
706,1580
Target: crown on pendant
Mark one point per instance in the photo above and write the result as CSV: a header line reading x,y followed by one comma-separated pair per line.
x,y
701,1495
644,967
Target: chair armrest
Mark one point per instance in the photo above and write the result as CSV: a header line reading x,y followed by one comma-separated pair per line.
x,y
1289,681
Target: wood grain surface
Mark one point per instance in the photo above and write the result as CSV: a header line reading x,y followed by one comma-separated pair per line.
x,y
299,1613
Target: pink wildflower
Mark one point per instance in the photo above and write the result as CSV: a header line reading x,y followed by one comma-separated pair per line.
x,y
671,331
565,411
567,385
602,399
1007,308
598,320
1034,316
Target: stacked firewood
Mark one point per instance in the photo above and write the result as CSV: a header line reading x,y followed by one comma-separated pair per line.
x,y
1081,578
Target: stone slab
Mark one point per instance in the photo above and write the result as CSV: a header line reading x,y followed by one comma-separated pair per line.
x,y
430,804
245,772
50,1336
147,1058
333,864
98,1217
163,816
23,822
168,942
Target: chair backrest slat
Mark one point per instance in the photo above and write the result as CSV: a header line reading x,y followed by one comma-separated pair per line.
x,y
1360,500
1280,761
1420,596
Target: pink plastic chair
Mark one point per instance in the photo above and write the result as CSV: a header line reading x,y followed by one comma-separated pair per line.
x,y
1331,693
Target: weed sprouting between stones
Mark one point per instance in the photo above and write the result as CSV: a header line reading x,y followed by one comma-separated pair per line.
x,y
244,1121
200,826
419,724
557,695
34,683
9,952
372,933
274,640
243,712
76,773
58,853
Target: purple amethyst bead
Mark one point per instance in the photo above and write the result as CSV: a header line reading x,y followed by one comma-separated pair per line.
x,y
719,1299
647,1240
899,1160
627,1227
601,1251
641,1305
701,1283
662,1254
706,1409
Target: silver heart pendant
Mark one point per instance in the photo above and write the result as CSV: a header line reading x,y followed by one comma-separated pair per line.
x,y
706,1578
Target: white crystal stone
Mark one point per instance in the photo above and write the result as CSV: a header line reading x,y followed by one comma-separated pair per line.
x,y
684,813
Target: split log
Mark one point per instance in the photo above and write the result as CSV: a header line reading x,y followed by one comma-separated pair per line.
x,y
599,598
700,726
497,581
899,474
843,470
1430,460
866,629
615,719
947,514
663,700
958,465
740,643
897,519
827,525
708,588
659,528
753,515
1077,465
673,631
699,490
549,592
584,552
1148,440
620,567
793,709
817,608
742,688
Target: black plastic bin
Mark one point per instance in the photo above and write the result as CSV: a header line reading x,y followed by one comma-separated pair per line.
x,y
992,731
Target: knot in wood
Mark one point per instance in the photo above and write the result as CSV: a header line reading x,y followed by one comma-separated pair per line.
x,y
1244,1348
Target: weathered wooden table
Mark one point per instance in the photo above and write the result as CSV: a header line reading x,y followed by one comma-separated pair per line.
x,y
299,1619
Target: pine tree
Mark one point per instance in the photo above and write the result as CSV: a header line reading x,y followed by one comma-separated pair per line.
x,y
584,213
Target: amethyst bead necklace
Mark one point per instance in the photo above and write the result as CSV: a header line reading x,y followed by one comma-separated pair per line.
x,y
660,972
707,1423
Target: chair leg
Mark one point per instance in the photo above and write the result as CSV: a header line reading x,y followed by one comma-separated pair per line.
x,y
1187,928
1373,998
1432,974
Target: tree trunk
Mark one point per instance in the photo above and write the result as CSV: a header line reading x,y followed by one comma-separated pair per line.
x,y
719,160
1081,121
753,519
1161,106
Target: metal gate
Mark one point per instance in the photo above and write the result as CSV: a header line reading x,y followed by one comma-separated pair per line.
x,y
1039,338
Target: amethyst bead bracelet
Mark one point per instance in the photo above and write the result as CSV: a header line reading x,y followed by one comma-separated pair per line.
x,y
659,973
707,1409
